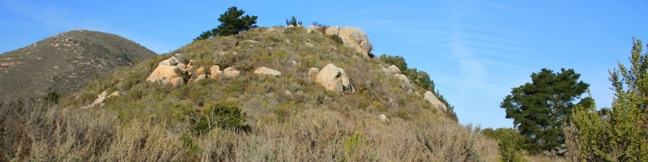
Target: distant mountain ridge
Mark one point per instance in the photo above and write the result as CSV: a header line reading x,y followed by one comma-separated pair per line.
x,y
64,62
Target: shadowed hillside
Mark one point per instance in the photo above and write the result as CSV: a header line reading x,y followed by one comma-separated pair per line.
x,y
64,63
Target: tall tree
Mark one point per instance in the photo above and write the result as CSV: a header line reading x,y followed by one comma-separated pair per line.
x,y
539,108
232,22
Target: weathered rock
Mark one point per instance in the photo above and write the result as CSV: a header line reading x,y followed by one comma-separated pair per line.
x,y
201,77
101,98
200,71
173,61
430,97
334,79
404,80
231,72
165,74
114,94
215,72
383,118
394,69
266,71
386,71
352,37
312,73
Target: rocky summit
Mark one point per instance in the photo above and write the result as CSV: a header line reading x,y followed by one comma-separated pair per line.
x,y
265,94
64,63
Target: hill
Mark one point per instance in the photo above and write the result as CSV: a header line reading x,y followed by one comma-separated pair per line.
x,y
268,94
64,63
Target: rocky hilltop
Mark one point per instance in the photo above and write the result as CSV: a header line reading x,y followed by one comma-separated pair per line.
x,y
266,94
64,63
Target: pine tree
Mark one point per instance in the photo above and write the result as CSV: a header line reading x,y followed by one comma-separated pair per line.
x,y
232,22
539,108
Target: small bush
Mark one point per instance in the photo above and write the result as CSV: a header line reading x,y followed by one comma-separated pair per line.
x,y
293,22
322,28
218,115
510,142
336,38
52,98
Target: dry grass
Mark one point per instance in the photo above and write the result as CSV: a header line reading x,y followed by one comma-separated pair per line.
x,y
311,135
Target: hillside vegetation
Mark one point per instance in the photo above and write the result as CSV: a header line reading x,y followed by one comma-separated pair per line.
x,y
246,118
64,63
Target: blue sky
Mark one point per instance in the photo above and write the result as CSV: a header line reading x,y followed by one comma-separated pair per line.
x,y
474,50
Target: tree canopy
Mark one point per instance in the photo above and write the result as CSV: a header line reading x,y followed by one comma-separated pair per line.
x,y
232,22
539,108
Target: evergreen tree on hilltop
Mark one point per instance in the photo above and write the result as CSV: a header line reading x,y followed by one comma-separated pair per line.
x,y
539,108
232,22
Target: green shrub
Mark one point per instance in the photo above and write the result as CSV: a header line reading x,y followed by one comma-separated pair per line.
x,y
399,61
293,22
510,142
336,38
218,115
618,134
52,98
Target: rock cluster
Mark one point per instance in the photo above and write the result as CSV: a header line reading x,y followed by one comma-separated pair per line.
x,y
172,71
175,71
396,72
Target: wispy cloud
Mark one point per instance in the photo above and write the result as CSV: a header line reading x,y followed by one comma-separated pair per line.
x,y
61,18
50,15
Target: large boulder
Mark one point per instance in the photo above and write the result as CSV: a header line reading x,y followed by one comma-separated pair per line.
x,y
405,82
394,69
172,71
215,72
430,97
334,79
352,37
267,71
231,72
166,74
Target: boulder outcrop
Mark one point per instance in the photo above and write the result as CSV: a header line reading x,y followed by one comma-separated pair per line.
x,y
267,71
405,82
172,71
231,72
432,99
165,74
394,69
352,37
215,72
334,78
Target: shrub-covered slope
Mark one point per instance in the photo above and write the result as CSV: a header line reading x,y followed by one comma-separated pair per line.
x,y
63,63
250,117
